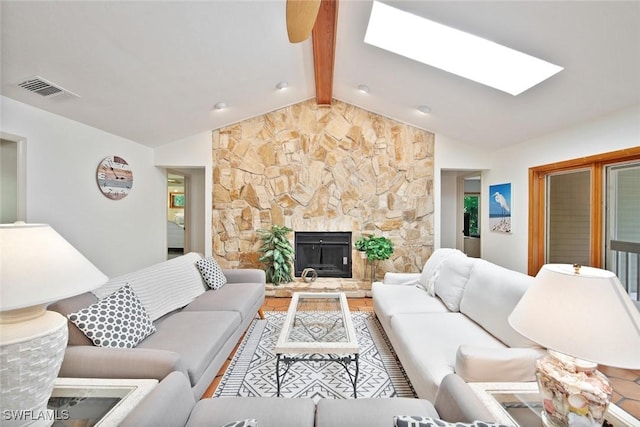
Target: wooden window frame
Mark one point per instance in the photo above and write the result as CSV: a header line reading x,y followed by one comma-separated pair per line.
x,y
537,202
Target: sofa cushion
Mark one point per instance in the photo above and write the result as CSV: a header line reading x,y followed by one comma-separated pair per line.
x,y
268,411
452,278
490,296
431,269
162,287
509,364
197,336
426,344
117,321
389,300
370,412
211,272
239,297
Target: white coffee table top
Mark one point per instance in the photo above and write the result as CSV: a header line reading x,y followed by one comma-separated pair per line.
x,y
303,333
519,404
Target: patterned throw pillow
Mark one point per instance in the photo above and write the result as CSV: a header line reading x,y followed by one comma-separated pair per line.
x,y
418,421
211,273
118,320
243,423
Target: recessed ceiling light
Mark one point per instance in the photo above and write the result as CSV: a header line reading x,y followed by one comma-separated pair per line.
x,y
455,51
220,106
424,109
363,88
282,85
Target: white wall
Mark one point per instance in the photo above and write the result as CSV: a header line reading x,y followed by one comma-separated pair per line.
x,y
194,153
451,159
609,133
118,236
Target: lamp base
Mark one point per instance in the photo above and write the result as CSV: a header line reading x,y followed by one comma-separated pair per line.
x,y
32,346
573,392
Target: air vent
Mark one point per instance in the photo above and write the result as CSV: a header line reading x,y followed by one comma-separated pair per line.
x,y
44,87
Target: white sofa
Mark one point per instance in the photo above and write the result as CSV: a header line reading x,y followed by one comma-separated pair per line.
x,y
452,317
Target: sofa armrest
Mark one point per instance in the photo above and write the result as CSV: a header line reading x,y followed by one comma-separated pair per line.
x,y
401,278
84,361
245,275
168,404
457,402
509,364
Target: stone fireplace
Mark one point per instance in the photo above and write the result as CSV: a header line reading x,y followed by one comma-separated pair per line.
x,y
327,252
316,168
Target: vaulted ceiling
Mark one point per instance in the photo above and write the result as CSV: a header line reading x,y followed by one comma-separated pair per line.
x,y
151,71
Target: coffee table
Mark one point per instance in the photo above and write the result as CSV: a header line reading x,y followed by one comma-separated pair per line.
x,y
308,337
520,404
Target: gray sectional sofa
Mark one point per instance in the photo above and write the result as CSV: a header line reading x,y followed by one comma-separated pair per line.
x,y
196,327
452,317
170,404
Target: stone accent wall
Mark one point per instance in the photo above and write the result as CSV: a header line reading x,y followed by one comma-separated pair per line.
x,y
311,168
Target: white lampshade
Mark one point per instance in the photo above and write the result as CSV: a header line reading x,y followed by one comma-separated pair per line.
x,y
38,266
587,315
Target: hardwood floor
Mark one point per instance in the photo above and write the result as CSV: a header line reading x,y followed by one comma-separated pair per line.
x,y
626,383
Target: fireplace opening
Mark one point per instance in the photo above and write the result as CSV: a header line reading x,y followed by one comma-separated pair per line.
x,y
327,252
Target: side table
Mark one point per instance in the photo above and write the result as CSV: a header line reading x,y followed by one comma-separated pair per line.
x,y
520,404
96,402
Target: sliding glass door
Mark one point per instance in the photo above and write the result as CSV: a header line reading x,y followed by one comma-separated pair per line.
x,y
622,243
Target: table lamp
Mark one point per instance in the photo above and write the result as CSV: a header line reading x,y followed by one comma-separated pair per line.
x,y
583,316
37,267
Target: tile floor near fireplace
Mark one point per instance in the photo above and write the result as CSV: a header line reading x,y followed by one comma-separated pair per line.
x,y
353,288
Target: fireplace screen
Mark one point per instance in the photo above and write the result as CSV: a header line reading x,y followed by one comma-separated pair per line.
x,y
328,253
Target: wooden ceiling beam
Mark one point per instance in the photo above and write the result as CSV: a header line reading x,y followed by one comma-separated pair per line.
x,y
324,50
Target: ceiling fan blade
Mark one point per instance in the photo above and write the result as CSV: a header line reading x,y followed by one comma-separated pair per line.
x,y
301,17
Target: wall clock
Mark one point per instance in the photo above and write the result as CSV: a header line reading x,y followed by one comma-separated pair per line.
x,y
115,177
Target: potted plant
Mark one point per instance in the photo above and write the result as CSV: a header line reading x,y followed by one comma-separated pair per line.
x,y
277,254
377,248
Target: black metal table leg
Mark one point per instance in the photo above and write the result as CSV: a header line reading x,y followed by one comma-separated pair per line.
x,y
278,373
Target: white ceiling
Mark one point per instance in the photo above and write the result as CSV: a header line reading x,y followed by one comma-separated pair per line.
x,y
151,71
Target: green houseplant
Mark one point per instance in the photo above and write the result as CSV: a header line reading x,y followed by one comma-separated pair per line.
x,y
277,254
376,248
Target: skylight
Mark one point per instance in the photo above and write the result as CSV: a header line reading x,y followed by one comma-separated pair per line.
x,y
455,51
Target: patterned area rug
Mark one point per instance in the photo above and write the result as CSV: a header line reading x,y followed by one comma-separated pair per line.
x,y
252,370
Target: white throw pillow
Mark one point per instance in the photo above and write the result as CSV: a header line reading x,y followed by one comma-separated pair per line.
x,y
118,321
211,273
431,268
452,278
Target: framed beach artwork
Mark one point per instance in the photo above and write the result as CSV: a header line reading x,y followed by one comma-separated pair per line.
x,y
500,208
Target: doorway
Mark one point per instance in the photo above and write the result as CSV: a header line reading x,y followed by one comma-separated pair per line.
x,y
177,197
13,161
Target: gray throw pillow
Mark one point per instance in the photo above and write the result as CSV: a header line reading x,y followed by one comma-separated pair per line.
x,y
211,273
118,320
242,423
419,421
